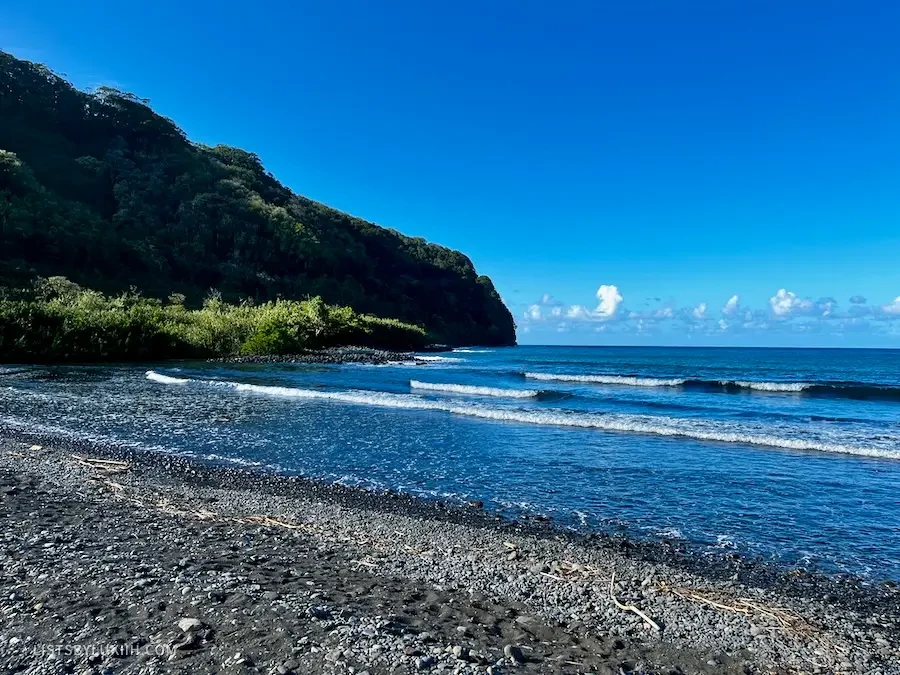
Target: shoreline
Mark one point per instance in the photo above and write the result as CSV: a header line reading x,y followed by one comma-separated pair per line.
x,y
528,567
327,355
335,355
695,558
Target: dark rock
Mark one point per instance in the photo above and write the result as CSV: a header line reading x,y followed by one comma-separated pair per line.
x,y
424,662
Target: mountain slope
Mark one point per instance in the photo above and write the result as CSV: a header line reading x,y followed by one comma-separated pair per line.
x,y
99,188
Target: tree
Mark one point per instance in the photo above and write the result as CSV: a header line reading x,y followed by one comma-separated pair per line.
x,y
99,188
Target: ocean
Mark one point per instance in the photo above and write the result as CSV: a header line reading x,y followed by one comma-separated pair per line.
x,y
788,455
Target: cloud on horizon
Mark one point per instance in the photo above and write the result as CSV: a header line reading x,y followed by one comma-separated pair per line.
x,y
785,312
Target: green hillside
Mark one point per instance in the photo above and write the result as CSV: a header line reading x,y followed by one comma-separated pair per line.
x,y
98,188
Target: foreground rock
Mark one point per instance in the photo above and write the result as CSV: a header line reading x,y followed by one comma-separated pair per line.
x,y
159,566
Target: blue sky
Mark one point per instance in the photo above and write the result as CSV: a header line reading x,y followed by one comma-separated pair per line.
x,y
680,152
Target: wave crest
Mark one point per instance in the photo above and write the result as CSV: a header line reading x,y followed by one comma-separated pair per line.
x,y
165,379
626,380
474,390
852,390
638,424
769,386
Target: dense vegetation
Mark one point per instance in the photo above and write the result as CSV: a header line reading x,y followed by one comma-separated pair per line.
x,y
60,321
99,188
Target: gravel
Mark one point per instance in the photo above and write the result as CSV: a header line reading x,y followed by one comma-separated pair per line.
x,y
334,355
171,566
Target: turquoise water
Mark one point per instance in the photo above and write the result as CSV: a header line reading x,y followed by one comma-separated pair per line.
x,y
792,455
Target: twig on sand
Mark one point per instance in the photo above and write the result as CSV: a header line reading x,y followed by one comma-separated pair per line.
x,y
363,563
272,522
107,465
629,608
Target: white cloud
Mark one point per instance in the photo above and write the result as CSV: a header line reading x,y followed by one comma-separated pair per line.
x,y
785,312
826,306
549,301
664,313
732,306
785,303
892,307
547,307
609,300
578,312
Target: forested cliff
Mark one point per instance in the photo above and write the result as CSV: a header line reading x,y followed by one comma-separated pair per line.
x,y
100,189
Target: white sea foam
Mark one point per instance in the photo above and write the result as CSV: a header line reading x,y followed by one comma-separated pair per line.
x,y
627,380
771,386
607,379
638,424
725,541
239,461
470,389
448,359
465,350
165,379
670,533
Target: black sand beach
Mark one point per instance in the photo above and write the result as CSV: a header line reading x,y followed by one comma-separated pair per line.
x,y
120,562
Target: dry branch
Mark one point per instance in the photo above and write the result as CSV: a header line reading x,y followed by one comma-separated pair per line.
x,y
107,465
787,621
629,608
272,522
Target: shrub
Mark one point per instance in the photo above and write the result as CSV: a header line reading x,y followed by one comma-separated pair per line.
x,y
60,321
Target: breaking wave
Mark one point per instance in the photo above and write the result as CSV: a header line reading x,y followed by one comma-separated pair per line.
x,y
470,389
768,386
165,379
446,359
852,390
637,424
607,379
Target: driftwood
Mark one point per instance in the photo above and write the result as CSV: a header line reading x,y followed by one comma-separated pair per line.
x,y
107,465
786,620
271,522
629,608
